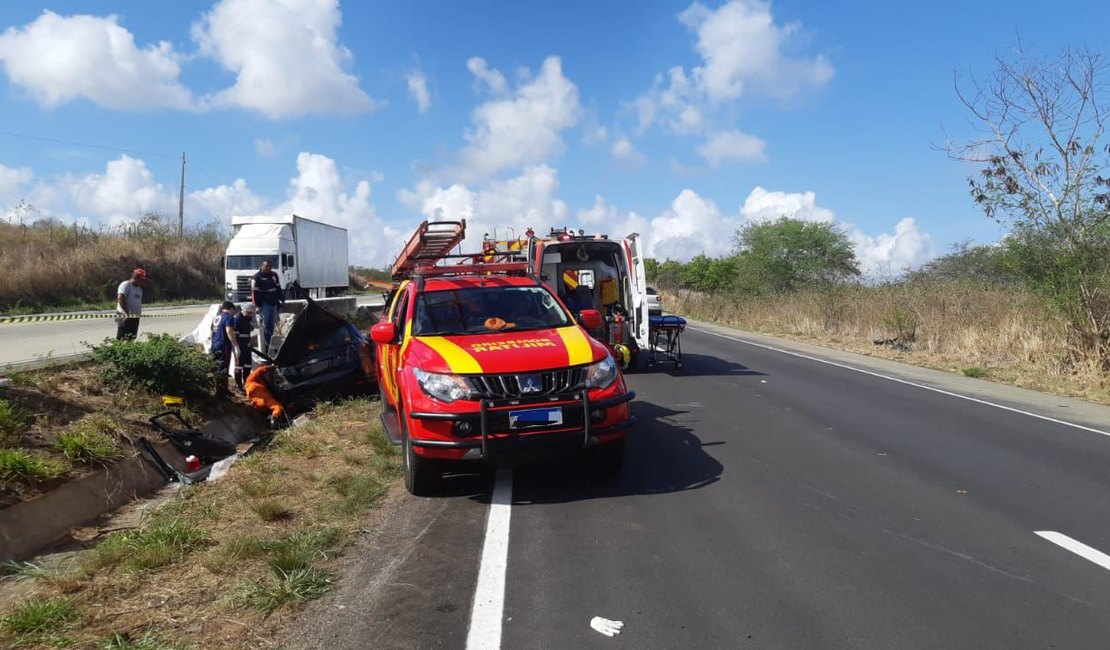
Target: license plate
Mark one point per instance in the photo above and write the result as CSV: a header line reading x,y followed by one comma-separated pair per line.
x,y
550,417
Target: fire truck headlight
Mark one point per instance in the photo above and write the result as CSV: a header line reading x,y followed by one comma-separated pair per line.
x,y
446,388
602,374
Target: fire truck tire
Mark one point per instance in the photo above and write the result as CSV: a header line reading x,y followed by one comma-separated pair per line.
x,y
605,461
423,476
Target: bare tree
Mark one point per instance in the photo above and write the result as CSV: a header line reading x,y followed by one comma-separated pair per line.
x,y
1040,124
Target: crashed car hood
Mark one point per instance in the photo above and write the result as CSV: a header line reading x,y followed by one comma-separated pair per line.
x,y
505,352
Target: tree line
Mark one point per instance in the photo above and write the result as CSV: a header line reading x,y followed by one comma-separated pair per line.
x,y
1042,169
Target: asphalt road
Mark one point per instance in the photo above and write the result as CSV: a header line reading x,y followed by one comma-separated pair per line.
x,y
28,343
773,501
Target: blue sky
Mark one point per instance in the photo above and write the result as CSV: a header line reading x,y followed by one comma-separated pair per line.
x,y
682,121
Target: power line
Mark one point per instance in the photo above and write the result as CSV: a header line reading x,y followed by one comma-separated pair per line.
x,y
89,146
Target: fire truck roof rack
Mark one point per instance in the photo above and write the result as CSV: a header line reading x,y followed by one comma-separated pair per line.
x,y
566,234
432,241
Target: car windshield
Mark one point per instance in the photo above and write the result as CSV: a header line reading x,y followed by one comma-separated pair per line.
x,y
486,309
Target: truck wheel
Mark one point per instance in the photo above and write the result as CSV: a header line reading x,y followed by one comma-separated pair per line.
x,y
423,476
605,461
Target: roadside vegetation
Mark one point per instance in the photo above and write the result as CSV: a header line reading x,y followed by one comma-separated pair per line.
x,y
206,567
62,423
1032,310
50,266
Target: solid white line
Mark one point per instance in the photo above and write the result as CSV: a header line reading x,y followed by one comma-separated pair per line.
x,y
1079,548
908,383
489,594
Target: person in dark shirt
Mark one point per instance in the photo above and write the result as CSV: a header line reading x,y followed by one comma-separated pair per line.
x,y
223,341
243,324
266,294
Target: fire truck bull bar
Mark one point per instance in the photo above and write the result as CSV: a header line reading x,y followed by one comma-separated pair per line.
x,y
587,436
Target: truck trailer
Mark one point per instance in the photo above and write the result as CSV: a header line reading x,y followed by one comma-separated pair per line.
x,y
306,254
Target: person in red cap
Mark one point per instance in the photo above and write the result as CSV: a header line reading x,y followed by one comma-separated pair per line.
x,y
129,305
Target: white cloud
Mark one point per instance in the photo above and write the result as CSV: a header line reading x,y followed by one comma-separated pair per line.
x,y
265,147
418,90
891,254
493,79
743,49
693,225
521,129
58,59
123,193
882,254
285,55
223,201
13,181
522,202
763,205
732,146
626,155
743,52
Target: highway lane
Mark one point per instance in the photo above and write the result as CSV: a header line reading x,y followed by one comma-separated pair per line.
x,y
771,501
25,342
22,343
768,501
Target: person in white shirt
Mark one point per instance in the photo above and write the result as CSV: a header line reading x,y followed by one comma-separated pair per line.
x,y
129,305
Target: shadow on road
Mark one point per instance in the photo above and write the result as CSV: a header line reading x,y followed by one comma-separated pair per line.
x,y
662,456
700,365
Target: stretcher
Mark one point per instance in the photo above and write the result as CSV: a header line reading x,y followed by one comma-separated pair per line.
x,y
665,335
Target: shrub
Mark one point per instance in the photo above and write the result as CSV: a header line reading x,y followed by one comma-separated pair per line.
x,y
975,371
160,364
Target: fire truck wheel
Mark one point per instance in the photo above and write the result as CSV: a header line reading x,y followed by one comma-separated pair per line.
x,y
423,476
604,461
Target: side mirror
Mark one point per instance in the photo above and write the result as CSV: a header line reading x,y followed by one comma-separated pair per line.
x,y
590,319
383,333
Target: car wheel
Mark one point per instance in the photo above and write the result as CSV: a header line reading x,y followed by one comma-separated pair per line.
x,y
423,476
605,461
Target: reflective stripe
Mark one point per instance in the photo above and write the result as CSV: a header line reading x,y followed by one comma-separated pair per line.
x,y
578,346
458,359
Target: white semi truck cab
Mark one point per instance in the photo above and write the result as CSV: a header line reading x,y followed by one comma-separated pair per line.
x,y
311,254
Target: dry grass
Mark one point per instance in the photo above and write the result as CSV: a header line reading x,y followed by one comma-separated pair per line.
x,y
207,568
48,265
1006,334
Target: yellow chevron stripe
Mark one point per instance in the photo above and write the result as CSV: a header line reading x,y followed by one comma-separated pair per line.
x,y
458,359
578,347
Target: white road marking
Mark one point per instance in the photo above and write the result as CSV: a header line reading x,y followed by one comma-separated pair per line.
x,y
605,626
1079,548
489,594
908,383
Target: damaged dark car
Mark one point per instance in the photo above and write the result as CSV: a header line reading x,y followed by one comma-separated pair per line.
x,y
321,355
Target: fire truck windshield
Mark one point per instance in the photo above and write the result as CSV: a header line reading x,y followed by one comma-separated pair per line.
x,y
481,310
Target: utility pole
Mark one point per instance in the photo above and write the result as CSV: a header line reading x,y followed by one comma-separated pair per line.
x,y
181,201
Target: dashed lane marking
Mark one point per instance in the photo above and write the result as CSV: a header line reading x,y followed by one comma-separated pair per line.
x,y
1077,547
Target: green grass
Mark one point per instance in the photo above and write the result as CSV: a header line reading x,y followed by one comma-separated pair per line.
x,y
40,620
90,441
161,543
21,467
21,571
975,371
12,422
357,492
148,640
284,587
298,441
271,510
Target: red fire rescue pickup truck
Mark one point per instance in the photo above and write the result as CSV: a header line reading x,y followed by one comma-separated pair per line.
x,y
482,361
